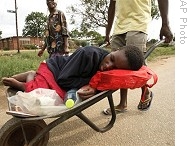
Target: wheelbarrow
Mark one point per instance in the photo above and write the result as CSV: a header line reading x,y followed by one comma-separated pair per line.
x,y
31,130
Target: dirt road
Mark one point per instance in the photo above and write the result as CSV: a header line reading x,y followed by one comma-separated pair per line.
x,y
155,127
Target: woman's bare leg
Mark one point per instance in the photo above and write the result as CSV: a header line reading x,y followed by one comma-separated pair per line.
x,y
13,83
17,81
24,77
31,76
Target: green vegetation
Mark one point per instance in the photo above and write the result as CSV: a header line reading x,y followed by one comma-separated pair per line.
x,y
13,63
34,24
161,51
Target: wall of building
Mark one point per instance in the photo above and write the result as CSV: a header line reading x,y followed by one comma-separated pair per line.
x,y
10,43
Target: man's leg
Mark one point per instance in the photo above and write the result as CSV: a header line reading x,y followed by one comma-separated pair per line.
x,y
139,39
119,41
123,99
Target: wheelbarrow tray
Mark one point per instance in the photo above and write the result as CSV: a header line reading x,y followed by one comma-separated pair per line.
x,y
21,120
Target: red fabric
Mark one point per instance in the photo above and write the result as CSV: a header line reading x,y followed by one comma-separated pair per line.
x,y
116,79
44,79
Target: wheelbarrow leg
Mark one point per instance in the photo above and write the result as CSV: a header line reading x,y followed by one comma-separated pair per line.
x,y
24,134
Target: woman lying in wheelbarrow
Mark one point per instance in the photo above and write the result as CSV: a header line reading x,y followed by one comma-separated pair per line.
x,y
63,73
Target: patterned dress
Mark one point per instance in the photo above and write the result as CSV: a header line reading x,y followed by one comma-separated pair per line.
x,y
56,32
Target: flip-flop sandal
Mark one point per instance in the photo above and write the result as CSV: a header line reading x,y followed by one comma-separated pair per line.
x,y
145,105
117,111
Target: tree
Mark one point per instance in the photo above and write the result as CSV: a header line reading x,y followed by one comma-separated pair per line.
x,y
92,37
94,13
0,34
154,10
34,24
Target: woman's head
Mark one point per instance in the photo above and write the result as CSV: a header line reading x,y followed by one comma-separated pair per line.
x,y
127,57
51,4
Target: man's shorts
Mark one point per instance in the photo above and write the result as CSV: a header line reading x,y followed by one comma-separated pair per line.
x,y
136,38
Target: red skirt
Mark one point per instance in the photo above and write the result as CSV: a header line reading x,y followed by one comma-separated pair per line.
x,y
44,79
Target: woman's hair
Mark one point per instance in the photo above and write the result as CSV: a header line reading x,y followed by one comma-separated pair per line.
x,y
55,1
134,56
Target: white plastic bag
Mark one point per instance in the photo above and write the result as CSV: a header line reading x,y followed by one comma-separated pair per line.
x,y
38,102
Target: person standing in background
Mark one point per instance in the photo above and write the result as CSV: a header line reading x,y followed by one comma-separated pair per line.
x,y
56,33
131,25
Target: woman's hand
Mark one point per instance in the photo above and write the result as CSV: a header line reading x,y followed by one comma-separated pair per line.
x,y
86,92
40,53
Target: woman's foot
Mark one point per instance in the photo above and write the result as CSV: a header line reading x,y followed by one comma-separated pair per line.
x,y
13,83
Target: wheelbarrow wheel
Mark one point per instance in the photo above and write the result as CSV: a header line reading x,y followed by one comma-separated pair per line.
x,y
11,133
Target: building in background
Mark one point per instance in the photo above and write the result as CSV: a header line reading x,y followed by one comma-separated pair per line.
x,y
10,43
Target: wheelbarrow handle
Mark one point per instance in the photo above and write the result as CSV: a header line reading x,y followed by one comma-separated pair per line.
x,y
152,48
147,52
104,45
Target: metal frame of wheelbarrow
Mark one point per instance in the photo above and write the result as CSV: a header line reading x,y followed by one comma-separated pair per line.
x,y
77,111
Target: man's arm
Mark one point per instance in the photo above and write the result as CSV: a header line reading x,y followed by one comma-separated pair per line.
x,y
44,46
165,29
65,33
111,14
